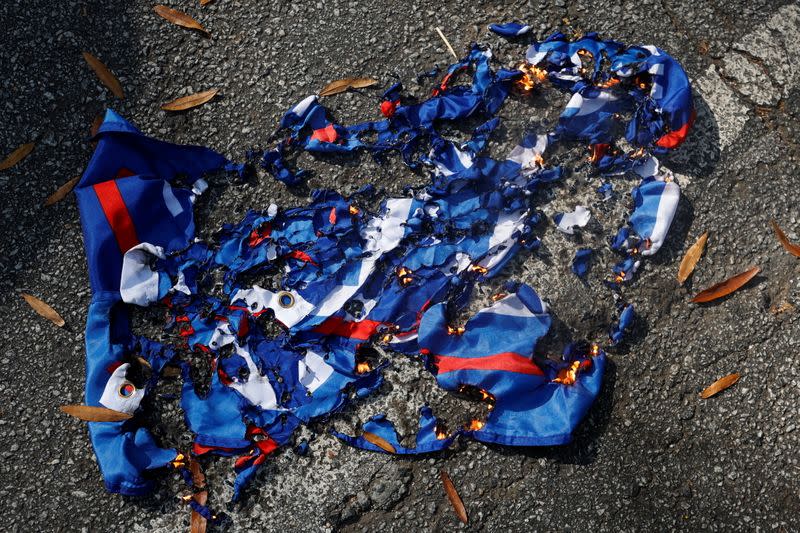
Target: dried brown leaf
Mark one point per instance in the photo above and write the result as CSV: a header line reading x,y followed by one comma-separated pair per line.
x,y
96,123
62,191
340,86
792,248
455,499
179,18
199,523
95,414
720,385
726,287
691,258
205,2
198,478
44,310
105,75
170,371
144,362
379,442
360,83
17,155
188,102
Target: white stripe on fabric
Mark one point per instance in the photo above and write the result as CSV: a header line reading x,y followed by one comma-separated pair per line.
x,y
511,305
173,205
313,371
667,205
256,388
381,235
300,108
138,283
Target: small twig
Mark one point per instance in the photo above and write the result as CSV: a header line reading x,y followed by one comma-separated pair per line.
x,y
447,43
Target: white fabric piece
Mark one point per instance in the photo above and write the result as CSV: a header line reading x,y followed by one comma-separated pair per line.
x,y
512,305
577,218
586,106
256,388
111,397
138,283
313,371
667,205
527,157
173,205
503,234
300,108
258,299
647,167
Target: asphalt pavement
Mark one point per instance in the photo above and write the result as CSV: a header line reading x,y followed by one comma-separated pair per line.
x,y
651,455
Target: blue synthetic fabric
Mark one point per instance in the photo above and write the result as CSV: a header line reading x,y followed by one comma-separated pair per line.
x,y
347,285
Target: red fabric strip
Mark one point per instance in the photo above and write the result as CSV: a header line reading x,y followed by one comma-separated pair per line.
x,y
353,330
506,361
675,138
117,214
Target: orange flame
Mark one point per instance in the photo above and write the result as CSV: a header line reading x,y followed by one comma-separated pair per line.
x,y
595,350
608,84
567,376
531,77
405,275
354,210
479,269
455,330
441,432
475,425
362,367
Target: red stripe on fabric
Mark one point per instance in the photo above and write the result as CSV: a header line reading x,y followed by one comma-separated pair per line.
x,y
506,361
327,134
117,214
675,138
302,256
353,330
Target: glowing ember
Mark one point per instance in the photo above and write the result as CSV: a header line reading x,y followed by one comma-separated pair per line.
x,y
441,432
567,376
498,296
475,425
362,367
608,84
479,269
455,330
539,160
405,275
595,350
531,77
597,151
387,338
620,277
179,461
354,210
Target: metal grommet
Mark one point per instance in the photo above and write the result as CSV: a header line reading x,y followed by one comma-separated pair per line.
x,y
285,299
126,390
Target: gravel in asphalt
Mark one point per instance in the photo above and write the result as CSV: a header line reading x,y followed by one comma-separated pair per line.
x,y
650,456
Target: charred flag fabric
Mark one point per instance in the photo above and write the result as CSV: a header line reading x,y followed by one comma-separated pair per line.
x,y
349,284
